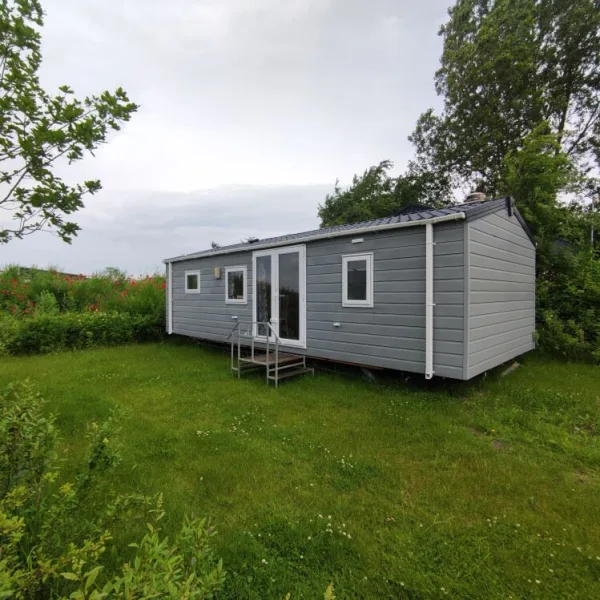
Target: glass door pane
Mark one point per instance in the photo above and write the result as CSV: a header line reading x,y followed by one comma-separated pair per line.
x,y
263,293
289,296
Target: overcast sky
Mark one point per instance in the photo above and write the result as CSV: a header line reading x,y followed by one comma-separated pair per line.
x,y
250,110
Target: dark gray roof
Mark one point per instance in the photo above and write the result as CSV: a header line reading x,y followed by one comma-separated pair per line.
x,y
469,210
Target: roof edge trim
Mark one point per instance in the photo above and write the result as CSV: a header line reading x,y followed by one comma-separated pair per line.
x,y
459,216
494,206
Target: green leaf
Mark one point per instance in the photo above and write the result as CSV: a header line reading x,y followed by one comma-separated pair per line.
x,y
91,577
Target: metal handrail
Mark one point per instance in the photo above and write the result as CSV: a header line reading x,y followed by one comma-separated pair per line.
x,y
271,334
232,331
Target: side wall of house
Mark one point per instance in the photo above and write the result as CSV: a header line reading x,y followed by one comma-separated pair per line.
x,y
205,315
391,334
501,291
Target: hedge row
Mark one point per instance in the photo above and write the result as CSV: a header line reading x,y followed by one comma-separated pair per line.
x,y
70,331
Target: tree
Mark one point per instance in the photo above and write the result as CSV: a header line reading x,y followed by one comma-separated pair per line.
x,y
568,269
376,194
507,67
536,175
38,129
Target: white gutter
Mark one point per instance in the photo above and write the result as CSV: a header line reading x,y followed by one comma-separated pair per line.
x,y
429,243
170,299
460,216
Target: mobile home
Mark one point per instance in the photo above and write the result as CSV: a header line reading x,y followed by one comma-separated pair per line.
x,y
448,292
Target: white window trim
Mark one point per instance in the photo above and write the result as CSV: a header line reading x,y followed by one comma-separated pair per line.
x,y
192,291
346,258
244,270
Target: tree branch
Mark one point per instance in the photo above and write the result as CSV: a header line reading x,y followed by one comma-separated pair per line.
x,y
591,120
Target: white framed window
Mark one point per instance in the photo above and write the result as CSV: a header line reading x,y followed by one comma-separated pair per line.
x,y
236,285
357,280
192,282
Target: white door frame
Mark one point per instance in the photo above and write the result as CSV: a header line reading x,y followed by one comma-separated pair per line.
x,y
274,254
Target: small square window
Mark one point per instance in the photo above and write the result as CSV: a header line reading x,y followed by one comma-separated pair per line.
x,y
357,280
235,285
192,282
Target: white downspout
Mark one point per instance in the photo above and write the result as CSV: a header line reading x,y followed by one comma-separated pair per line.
x,y
170,300
429,243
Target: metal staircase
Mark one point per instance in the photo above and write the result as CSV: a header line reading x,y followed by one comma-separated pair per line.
x,y
246,357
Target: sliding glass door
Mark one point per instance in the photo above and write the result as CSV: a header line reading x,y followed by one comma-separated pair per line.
x,y
279,298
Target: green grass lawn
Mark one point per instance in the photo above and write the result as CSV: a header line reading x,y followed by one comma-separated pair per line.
x,y
483,490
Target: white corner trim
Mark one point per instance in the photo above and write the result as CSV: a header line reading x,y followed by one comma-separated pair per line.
x,y
244,270
185,280
346,258
170,299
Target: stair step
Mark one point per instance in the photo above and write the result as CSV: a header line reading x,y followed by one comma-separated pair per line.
x,y
291,373
285,367
261,359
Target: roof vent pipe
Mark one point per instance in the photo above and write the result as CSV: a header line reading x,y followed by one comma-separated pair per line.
x,y
474,197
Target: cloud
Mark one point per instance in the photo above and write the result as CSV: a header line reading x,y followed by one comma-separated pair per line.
x,y
136,231
261,104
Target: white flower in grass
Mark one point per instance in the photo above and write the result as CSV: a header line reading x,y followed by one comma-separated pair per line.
x,y
264,561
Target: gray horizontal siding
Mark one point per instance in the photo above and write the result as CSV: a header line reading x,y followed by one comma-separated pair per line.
x,y
391,334
205,315
501,292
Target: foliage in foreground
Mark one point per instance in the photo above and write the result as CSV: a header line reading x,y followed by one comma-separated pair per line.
x,y
39,130
54,535
481,488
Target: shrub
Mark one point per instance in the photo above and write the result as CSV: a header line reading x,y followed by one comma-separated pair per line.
x,y
568,304
22,289
53,536
47,304
47,333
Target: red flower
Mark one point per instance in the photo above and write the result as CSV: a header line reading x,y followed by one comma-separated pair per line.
x,y
164,285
